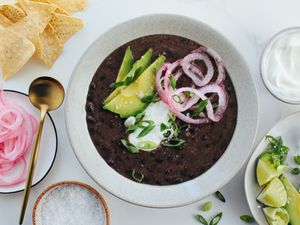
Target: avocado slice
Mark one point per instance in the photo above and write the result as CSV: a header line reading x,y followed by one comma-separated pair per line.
x,y
128,102
293,203
126,65
138,68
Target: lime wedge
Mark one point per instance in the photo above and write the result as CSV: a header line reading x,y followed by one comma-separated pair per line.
x,y
274,194
276,216
265,171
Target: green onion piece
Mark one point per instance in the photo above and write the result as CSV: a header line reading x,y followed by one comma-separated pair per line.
x,y
201,219
207,206
176,98
176,142
247,219
295,171
220,196
128,80
139,117
129,147
131,129
146,131
137,176
297,159
172,81
163,127
150,98
216,219
145,123
200,107
189,94
147,145
171,117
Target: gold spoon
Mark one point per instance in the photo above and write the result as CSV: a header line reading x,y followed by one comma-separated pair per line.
x,y
46,94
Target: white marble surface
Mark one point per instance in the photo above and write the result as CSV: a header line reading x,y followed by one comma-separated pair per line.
x,y
247,23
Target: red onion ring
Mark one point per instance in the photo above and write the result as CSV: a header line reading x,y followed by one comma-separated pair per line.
x,y
17,130
184,103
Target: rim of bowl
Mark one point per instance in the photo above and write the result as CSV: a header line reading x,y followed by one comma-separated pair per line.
x,y
49,188
263,58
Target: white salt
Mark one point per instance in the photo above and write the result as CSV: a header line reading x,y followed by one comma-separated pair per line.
x,y
71,204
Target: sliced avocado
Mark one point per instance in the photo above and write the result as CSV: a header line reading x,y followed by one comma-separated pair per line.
x,y
293,203
140,66
128,102
126,65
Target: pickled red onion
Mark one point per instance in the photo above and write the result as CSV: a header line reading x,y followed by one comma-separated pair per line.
x,y
201,87
17,130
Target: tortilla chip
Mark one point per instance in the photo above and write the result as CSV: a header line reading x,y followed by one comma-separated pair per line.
x,y
65,26
44,10
15,51
48,47
58,8
12,12
27,26
71,5
8,2
4,21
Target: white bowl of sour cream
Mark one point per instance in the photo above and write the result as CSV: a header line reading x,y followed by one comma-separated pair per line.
x,y
280,65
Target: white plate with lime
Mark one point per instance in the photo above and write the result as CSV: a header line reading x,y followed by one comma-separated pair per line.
x,y
268,174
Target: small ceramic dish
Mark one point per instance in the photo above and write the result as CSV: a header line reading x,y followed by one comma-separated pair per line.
x,y
265,60
78,190
48,142
289,129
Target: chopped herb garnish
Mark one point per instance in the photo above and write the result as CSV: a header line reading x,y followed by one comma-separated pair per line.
x,y
297,159
128,80
163,127
172,81
200,107
295,171
145,123
137,176
220,196
201,219
216,219
207,206
150,98
188,94
176,142
172,118
276,150
129,147
247,219
146,130
176,98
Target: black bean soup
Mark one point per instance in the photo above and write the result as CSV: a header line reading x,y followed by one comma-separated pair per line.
x,y
204,145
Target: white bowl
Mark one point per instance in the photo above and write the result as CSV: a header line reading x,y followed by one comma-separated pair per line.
x,y
173,195
289,129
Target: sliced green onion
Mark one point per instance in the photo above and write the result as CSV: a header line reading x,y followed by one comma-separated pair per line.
x,y
295,171
220,196
201,219
129,147
172,81
137,176
176,142
297,159
150,98
146,131
139,117
207,206
247,219
176,98
216,219
147,145
163,127
200,107
131,129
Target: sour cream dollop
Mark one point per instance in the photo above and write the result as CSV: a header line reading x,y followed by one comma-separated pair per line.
x,y
158,113
281,66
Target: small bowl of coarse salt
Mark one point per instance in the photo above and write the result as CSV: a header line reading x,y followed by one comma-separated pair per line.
x,y
70,203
